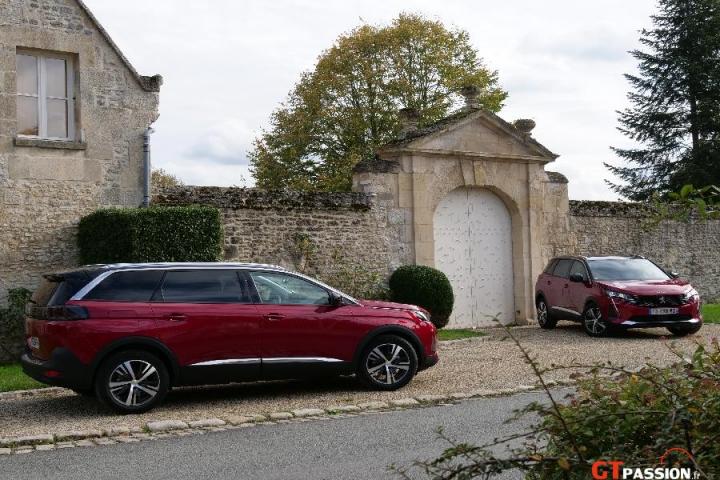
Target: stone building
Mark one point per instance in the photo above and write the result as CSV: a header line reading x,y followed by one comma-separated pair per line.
x,y
73,111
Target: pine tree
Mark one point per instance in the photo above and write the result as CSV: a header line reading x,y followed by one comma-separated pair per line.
x,y
675,98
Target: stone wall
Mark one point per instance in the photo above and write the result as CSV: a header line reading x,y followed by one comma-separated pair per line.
x,y
316,233
47,186
613,228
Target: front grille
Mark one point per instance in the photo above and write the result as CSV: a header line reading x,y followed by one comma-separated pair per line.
x,y
660,318
661,301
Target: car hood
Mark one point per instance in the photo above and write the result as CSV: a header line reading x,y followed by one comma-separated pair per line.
x,y
389,305
675,286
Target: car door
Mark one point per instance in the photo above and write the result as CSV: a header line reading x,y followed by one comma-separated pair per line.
x,y
301,331
577,292
208,319
558,284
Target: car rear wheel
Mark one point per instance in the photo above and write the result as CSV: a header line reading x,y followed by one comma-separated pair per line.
x,y
389,362
545,318
132,381
593,322
684,331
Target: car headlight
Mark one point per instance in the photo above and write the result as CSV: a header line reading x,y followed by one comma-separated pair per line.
x,y
421,315
691,296
622,296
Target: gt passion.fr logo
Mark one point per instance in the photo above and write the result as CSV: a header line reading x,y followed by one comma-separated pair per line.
x,y
615,469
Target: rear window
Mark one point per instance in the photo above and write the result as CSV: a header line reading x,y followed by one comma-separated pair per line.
x,y
203,286
56,290
127,286
562,268
626,269
550,266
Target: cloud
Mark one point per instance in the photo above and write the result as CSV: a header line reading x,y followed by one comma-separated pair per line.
x,y
225,143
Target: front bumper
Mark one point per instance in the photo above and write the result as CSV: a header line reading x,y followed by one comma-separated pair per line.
x,y
62,369
688,323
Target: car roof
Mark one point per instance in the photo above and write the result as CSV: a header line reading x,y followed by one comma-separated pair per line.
x,y
608,257
94,270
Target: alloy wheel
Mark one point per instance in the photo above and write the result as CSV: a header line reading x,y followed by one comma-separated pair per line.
x,y
594,323
134,383
542,313
388,363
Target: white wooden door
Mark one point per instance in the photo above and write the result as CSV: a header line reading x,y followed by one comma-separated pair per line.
x,y
473,247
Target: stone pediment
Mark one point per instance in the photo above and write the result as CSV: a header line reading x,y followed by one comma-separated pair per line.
x,y
474,132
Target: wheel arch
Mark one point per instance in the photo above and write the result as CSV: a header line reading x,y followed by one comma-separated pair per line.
x,y
147,344
402,332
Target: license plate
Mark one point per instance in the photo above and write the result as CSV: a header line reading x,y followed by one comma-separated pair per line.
x,y
663,311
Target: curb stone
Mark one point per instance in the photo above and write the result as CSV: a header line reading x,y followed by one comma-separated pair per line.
x,y
168,428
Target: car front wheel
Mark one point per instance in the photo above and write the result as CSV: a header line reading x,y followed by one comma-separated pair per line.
x,y
389,362
593,322
132,381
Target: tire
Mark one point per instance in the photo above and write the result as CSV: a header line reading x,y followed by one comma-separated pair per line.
x,y
684,331
544,316
592,321
389,362
140,380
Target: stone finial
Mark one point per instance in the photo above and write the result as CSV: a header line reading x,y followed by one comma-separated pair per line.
x,y
524,125
472,97
409,118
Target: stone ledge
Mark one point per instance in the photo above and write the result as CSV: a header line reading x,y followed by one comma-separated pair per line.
x,y
43,143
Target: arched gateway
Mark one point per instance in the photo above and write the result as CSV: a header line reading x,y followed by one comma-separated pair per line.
x,y
473,246
470,195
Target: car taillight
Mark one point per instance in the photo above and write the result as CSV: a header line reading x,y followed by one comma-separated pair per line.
x,y
58,314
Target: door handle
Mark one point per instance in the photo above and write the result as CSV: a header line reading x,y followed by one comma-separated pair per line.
x,y
274,317
176,317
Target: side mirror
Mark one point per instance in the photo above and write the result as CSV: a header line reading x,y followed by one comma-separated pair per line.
x,y
674,274
336,300
577,278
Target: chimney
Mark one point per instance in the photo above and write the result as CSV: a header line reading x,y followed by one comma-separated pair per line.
x,y
525,126
471,94
409,118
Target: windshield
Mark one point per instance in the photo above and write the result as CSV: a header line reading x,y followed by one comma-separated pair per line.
x,y
626,269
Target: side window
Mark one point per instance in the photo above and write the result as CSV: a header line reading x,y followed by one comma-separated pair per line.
x,y
202,286
282,289
578,267
550,266
562,268
127,286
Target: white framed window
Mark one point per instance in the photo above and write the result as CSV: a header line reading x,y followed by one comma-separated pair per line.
x,y
45,95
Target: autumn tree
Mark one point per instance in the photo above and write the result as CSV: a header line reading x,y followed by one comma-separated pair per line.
x,y
161,179
341,111
674,117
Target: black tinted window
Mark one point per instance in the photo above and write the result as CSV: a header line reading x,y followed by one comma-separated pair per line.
x,y
57,290
626,269
127,286
562,268
202,286
550,266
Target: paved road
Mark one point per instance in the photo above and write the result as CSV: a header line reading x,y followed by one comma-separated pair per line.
x,y
347,448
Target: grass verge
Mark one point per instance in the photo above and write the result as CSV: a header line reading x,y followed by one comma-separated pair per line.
x,y
711,313
459,334
12,378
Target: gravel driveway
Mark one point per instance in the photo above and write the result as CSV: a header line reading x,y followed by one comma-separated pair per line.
x,y
491,362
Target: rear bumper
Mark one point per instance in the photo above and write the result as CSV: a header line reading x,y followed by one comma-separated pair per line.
x,y
689,323
62,369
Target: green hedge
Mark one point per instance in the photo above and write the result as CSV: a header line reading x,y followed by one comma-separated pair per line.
x,y
156,234
425,287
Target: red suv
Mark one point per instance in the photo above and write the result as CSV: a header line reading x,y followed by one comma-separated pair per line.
x,y
128,333
605,293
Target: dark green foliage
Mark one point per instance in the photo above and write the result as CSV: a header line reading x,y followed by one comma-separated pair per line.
x,y
12,327
156,234
426,287
675,113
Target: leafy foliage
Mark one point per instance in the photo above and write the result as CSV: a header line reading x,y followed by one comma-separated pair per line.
x,y
616,414
355,279
702,203
156,234
160,179
340,112
675,113
12,326
426,287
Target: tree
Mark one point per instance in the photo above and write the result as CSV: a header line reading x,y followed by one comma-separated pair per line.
x,y
675,112
340,112
161,179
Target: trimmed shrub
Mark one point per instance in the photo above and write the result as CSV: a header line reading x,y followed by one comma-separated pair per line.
x,y
426,287
156,234
12,325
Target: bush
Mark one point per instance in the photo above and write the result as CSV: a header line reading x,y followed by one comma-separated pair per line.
x,y
12,327
426,287
156,234
355,279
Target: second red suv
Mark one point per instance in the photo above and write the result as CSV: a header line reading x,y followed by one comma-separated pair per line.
x,y
605,293
128,333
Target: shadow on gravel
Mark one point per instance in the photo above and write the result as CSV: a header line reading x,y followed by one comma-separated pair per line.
x,y
566,329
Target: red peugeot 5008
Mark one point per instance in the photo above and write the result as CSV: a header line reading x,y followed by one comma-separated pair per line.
x,y
128,333
605,293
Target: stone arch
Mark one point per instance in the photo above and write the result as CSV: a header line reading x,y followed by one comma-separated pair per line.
x,y
474,244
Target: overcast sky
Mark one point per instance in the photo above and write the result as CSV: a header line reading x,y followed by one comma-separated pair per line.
x,y
227,64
